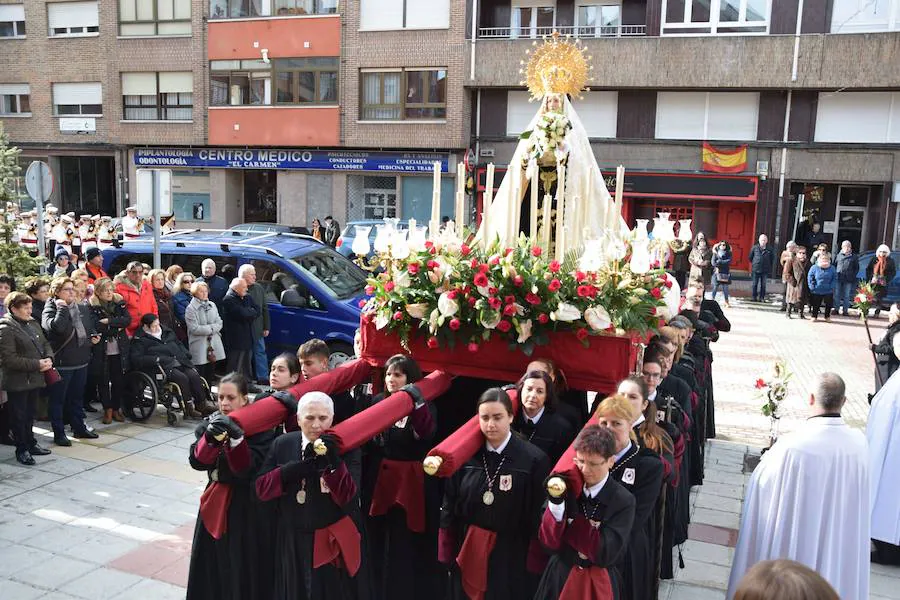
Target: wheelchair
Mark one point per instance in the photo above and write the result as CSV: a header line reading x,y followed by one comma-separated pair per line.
x,y
144,391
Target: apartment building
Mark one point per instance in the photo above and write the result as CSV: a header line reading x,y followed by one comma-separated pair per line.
x,y
264,110
818,106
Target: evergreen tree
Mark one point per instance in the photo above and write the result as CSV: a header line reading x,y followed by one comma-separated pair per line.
x,y
14,258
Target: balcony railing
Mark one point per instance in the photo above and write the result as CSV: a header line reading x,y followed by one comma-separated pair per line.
x,y
583,32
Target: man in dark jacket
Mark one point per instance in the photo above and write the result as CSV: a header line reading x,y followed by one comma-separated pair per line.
x,y
155,347
846,262
238,313
332,231
218,287
761,261
260,360
814,237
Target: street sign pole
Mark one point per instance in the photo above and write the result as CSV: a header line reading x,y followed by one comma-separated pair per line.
x,y
39,204
39,184
157,189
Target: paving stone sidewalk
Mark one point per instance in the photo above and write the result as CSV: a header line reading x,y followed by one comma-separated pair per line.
x,y
112,518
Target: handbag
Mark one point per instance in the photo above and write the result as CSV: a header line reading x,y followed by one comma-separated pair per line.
x,y
723,277
210,351
51,375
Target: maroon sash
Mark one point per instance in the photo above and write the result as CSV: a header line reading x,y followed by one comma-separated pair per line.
x,y
473,561
214,508
401,483
592,583
338,544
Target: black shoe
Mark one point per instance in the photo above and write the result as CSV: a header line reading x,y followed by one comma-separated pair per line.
x,y
37,450
90,409
86,434
24,457
61,440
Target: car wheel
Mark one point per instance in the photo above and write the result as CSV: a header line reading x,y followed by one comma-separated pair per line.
x,y
340,353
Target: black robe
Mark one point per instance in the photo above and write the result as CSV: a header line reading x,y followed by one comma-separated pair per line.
x,y
514,515
403,563
640,471
239,565
552,433
679,393
294,577
613,509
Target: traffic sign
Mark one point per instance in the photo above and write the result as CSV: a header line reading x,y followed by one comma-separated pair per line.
x,y
39,181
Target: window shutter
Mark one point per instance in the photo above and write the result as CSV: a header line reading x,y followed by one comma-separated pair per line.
x,y
732,116
381,14
14,88
12,12
138,84
680,115
434,14
519,112
599,113
181,82
72,14
853,117
77,93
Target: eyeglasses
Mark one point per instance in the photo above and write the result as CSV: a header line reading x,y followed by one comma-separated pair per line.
x,y
187,282
651,375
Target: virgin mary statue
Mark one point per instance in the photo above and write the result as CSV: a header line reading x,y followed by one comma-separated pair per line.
x,y
555,155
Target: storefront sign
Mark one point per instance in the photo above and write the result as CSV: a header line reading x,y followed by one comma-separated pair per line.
x,y
669,185
323,160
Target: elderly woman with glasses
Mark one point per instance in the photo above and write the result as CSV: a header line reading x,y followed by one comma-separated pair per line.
x,y
181,294
72,331
204,329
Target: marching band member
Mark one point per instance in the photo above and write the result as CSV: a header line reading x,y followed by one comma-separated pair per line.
x,y
231,557
62,234
28,232
131,225
51,219
317,543
492,509
77,250
168,225
105,233
587,535
640,471
87,231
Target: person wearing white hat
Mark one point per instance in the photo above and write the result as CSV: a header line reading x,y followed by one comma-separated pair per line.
x,y
104,233
28,233
61,234
50,219
88,232
130,223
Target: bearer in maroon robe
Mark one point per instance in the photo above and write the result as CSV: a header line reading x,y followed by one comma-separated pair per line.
x,y
587,535
317,544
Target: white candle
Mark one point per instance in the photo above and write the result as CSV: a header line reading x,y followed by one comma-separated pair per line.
x,y
560,214
486,209
436,200
512,220
547,222
620,189
460,211
533,213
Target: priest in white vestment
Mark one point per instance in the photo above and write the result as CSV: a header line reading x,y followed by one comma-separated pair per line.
x,y
883,433
806,500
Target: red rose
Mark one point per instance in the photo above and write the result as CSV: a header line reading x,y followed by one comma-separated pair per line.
x,y
370,290
504,326
473,347
398,316
581,333
429,245
472,301
473,263
452,294
760,384
413,268
554,285
484,267
362,303
480,280
492,291
532,298
495,260
465,250
509,299
536,251
432,250
432,264
518,281
584,291
508,252
509,310
466,289
554,266
454,324
494,303
389,286
656,293
543,319
579,276
668,283
432,343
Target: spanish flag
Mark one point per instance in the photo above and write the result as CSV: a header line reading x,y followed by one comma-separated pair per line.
x,y
724,161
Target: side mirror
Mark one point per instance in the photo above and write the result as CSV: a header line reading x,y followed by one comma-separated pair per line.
x,y
291,297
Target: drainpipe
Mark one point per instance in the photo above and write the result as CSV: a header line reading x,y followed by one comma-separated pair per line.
x,y
787,123
477,125
474,34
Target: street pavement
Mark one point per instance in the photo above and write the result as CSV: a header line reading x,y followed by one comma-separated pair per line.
x,y
112,518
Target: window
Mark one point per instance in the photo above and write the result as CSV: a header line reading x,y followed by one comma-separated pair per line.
x,y
598,111
234,9
707,115
72,19
341,278
240,83
858,117
407,94
305,7
856,16
158,96
306,80
699,17
154,17
382,15
15,99
77,99
599,20
12,20
531,21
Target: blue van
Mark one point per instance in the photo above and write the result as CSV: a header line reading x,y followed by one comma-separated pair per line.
x,y
312,291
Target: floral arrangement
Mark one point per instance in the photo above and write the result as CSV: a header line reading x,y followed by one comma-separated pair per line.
x,y
864,299
773,391
454,293
548,136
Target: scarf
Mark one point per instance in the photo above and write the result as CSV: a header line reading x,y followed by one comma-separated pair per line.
x,y
799,271
880,265
80,333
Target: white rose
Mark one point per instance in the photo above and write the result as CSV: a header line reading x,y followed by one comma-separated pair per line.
x,y
382,319
417,310
566,312
490,318
401,278
524,329
447,305
597,318
433,319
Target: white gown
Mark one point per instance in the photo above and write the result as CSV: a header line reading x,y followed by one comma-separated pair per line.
x,y
883,433
805,502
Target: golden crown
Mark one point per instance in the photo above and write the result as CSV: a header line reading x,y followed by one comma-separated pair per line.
x,y
557,66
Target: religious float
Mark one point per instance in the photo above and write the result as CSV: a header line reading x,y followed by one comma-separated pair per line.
x,y
551,272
